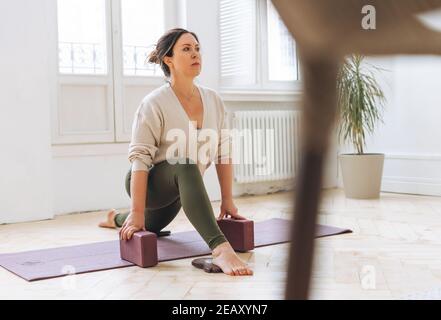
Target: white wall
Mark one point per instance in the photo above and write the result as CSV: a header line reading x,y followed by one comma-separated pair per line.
x,y
25,163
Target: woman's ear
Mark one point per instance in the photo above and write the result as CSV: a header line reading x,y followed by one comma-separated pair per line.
x,y
168,62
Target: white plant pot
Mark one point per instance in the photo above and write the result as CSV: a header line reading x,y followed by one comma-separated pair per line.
x,y
362,174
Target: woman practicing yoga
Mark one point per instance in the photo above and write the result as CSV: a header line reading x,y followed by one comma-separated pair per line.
x,y
159,182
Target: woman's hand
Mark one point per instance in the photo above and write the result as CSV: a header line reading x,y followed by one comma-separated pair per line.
x,y
228,208
134,222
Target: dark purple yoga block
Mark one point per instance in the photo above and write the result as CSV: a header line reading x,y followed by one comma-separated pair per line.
x,y
240,233
141,249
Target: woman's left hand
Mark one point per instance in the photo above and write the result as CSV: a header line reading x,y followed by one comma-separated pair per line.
x,y
228,208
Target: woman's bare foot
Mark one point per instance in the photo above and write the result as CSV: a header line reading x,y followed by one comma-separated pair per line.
x,y
110,222
226,259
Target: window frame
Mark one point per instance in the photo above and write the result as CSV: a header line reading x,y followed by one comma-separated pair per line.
x,y
114,79
280,90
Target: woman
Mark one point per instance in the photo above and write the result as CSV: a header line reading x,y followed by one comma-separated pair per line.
x,y
157,183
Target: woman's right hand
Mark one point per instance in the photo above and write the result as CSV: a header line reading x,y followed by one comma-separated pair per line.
x,y
133,223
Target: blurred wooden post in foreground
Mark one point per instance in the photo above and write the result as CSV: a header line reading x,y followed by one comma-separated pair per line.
x,y
325,32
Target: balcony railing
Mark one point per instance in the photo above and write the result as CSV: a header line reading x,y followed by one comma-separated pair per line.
x,y
90,58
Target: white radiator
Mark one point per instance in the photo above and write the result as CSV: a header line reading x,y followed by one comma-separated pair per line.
x,y
265,145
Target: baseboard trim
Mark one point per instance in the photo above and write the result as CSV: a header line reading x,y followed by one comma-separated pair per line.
x,y
421,186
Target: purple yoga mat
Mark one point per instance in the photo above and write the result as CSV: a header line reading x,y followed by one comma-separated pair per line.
x,y
56,262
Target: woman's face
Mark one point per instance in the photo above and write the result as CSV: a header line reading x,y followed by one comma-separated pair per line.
x,y
185,54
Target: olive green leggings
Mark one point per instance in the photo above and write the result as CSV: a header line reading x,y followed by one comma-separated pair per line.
x,y
168,186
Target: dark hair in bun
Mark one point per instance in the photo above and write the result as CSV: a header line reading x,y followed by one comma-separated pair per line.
x,y
164,47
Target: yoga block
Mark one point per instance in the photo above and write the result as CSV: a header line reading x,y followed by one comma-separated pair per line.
x,y
240,233
141,249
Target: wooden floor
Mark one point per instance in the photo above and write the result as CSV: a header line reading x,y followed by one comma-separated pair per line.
x,y
395,251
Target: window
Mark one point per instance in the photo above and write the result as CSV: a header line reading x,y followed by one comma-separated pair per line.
x,y
257,50
137,31
282,56
238,41
82,36
102,70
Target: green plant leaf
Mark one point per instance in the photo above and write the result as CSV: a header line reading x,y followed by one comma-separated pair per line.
x,y
360,101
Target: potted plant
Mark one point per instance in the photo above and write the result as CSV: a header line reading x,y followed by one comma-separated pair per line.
x,y
360,103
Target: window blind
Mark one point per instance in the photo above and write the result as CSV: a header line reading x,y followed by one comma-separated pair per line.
x,y
237,23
